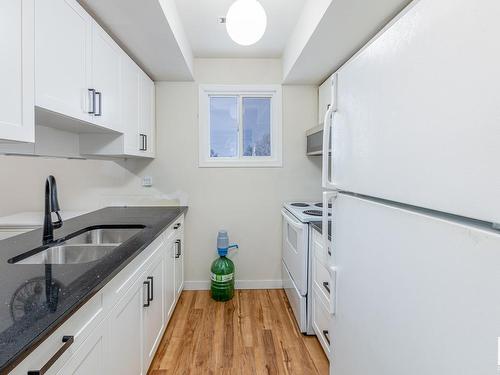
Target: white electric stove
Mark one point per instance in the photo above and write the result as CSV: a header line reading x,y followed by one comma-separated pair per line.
x,y
296,264
305,211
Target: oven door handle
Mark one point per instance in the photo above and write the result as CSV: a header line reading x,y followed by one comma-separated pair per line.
x,y
288,217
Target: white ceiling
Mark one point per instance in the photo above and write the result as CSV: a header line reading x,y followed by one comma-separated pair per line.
x,y
208,38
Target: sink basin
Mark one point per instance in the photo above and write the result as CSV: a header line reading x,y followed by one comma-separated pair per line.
x,y
102,236
69,254
84,246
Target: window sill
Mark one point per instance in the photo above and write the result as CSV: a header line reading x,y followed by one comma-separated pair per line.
x,y
240,164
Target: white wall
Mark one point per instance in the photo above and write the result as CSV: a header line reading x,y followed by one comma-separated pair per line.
x,y
246,201
82,184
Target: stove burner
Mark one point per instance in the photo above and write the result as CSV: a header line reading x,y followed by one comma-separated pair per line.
x,y
320,205
299,205
314,212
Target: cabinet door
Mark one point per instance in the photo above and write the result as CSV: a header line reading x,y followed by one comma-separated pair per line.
x,y
130,104
324,99
154,321
125,332
17,40
170,291
91,357
106,65
62,53
147,127
179,265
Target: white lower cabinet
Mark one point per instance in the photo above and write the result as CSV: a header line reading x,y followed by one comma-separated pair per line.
x,y
154,317
119,329
179,263
125,332
321,292
170,295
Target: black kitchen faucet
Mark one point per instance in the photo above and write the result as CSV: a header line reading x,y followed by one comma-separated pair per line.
x,y
51,205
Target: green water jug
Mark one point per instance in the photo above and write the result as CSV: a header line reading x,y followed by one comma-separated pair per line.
x,y
222,270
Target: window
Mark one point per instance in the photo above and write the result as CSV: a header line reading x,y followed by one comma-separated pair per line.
x,y
240,126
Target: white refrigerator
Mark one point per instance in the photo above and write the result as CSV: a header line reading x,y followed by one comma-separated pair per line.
x,y
414,183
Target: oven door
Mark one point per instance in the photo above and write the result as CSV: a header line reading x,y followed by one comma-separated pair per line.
x,y
295,244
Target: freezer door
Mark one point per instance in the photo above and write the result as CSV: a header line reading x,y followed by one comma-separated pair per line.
x,y
418,111
416,294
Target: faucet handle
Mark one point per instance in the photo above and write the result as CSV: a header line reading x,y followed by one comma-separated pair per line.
x,y
57,224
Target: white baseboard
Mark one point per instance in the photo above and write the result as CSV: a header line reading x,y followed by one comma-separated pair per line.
x,y
240,284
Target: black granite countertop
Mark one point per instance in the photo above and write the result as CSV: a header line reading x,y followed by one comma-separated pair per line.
x,y
26,318
318,225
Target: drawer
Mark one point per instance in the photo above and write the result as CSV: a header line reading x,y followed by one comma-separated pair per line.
x,y
317,247
298,303
177,228
118,286
321,322
321,280
79,325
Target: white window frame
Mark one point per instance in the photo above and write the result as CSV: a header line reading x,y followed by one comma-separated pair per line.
x,y
269,91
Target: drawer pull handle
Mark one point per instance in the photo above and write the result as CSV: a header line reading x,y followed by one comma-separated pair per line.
x,y
148,284
326,285
177,226
68,341
326,335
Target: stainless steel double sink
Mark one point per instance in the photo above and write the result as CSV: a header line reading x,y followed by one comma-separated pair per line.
x,y
81,247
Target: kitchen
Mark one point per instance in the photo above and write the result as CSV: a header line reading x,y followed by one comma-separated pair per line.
x,y
164,122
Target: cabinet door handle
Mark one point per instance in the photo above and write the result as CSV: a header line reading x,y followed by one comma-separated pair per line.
x,y
148,284
326,335
145,142
326,285
100,104
68,341
91,110
177,226
152,287
142,147
178,250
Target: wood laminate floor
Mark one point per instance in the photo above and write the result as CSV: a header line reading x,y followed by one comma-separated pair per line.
x,y
255,333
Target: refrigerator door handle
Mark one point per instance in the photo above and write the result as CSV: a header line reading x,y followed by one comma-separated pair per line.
x,y
328,196
333,289
327,180
326,148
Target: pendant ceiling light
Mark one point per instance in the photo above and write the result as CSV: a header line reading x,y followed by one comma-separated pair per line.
x,y
246,22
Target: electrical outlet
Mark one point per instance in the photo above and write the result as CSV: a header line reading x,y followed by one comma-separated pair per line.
x,y
147,181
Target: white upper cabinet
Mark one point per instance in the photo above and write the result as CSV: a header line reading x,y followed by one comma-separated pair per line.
x,y
106,65
62,54
130,105
83,75
16,70
137,118
147,125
